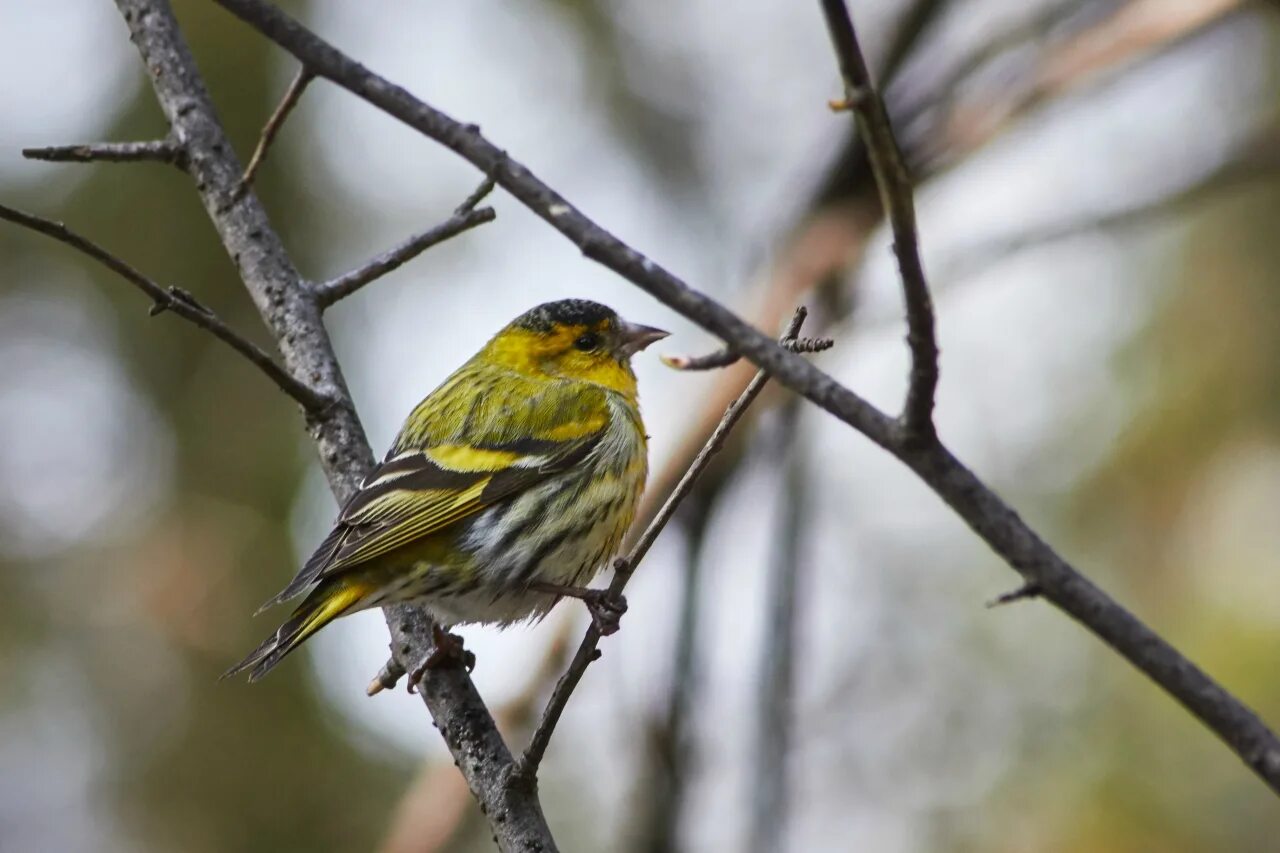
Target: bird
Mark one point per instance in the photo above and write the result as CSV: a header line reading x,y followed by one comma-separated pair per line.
x,y
507,488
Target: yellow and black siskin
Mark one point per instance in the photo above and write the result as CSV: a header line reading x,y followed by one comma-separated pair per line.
x,y
509,485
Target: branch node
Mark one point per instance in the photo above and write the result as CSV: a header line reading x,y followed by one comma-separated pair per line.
x,y
478,195
387,677
856,98
1027,590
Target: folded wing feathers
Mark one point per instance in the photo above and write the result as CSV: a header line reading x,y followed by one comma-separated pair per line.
x,y
414,493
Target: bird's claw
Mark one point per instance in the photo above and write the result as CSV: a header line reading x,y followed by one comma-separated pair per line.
x,y
606,610
446,651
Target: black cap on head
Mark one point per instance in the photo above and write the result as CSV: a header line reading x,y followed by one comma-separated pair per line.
x,y
569,312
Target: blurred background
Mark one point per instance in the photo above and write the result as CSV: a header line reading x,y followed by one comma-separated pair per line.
x,y
807,663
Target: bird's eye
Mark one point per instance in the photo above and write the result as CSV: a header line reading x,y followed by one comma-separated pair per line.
x,y
587,342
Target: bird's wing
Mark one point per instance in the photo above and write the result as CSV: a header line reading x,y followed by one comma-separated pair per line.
x,y
507,444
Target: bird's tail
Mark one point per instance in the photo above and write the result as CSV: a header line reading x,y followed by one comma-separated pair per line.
x,y
325,603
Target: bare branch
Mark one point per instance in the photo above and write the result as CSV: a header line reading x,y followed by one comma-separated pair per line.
x,y
156,151
464,219
293,315
896,196
478,195
594,241
625,566
273,125
993,520
178,301
724,357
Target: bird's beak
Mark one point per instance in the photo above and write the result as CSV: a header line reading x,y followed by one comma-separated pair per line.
x,y
632,337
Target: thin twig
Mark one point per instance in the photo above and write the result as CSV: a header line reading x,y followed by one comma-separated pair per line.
x,y
178,301
479,194
463,219
155,151
1027,590
896,194
625,566
273,125
724,357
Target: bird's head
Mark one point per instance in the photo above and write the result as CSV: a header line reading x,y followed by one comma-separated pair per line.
x,y
573,339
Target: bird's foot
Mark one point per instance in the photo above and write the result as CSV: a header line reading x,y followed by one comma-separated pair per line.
x,y
604,606
446,651
606,609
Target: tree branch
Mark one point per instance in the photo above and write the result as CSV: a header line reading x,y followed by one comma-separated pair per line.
x,y
890,171
624,567
156,151
293,315
463,219
997,524
273,125
180,302
595,242
724,357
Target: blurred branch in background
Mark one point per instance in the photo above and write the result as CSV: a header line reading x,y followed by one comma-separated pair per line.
x,y
971,111
774,772
1255,162
661,785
